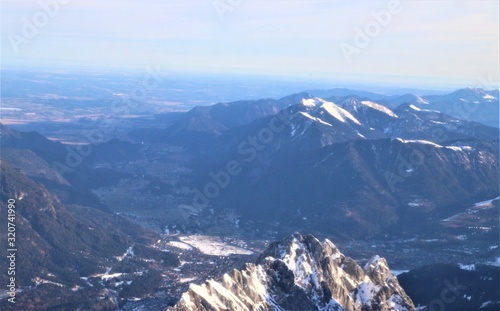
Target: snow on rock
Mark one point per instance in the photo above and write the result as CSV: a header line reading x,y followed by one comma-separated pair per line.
x,y
311,102
379,108
487,202
420,100
366,292
338,113
301,273
419,141
398,272
426,142
129,252
305,114
459,148
330,108
240,290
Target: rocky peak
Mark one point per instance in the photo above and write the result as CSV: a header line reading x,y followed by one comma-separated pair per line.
x,y
301,273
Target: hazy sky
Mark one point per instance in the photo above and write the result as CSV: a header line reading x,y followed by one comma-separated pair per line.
x,y
422,42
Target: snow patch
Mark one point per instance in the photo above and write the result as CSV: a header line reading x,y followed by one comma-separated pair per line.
x,y
305,114
299,264
489,303
110,276
366,291
180,245
471,267
438,122
379,108
211,245
338,113
396,302
128,252
418,141
37,280
398,272
187,280
487,202
459,148
311,102
420,100
495,263
294,129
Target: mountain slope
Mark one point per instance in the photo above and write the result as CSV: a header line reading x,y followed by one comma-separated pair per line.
x,y
408,121
54,233
59,245
315,123
356,163
301,273
464,287
205,122
69,172
472,104
365,187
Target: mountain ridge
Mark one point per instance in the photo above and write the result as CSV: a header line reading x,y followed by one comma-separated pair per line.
x,y
301,273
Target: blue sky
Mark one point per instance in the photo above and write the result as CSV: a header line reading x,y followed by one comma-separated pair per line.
x,y
422,42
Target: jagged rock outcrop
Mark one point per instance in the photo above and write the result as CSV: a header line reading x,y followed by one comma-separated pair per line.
x,y
301,273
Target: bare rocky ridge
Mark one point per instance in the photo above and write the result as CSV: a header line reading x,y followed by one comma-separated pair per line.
x,y
301,273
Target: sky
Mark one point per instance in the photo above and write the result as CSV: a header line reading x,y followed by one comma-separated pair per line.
x,y
419,42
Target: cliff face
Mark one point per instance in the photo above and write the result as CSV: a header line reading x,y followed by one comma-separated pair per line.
x,y
301,273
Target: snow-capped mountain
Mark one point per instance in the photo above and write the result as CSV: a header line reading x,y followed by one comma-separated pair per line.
x,y
315,122
408,121
356,163
204,122
472,104
315,118
301,273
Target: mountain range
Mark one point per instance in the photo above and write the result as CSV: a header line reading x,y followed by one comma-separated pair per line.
x,y
470,104
357,163
348,164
